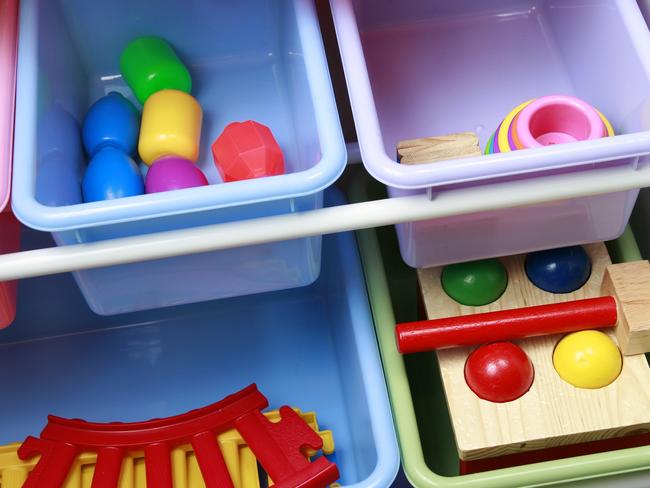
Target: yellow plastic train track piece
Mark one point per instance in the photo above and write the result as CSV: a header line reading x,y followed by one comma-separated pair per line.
x,y
242,464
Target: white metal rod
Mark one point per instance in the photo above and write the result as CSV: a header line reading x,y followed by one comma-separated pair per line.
x,y
323,221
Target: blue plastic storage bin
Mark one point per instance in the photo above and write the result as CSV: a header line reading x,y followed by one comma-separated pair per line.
x,y
312,347
249,60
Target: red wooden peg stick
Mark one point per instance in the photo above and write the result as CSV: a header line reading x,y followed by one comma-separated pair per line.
x,y
506,325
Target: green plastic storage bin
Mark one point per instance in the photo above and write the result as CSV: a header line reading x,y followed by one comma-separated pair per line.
x,y
428,450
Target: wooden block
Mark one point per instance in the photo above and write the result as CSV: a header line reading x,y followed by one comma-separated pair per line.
x,y
439,148
630,284
552,413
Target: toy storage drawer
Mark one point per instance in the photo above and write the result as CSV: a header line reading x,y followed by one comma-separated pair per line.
x,y
253,60
312,348
418,69
427,442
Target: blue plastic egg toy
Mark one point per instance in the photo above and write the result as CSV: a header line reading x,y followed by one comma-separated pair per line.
x,y
111,121
111,174
562,270
61,160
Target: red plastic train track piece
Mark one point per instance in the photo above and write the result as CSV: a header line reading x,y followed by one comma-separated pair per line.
x,y
280,447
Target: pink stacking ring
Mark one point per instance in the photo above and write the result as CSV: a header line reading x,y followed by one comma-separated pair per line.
x,y
558,119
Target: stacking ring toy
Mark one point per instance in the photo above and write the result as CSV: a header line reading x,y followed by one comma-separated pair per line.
x,y
502,134
545,121
558,120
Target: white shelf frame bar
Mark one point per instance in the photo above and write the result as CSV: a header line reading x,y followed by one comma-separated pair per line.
x,y
342,218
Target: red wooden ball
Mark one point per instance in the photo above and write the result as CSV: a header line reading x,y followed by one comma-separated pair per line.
x,y
499,372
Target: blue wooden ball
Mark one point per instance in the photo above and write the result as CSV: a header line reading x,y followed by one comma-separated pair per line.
x,y
561,270
111,174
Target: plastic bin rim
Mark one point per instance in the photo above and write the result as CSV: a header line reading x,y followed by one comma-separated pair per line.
x,y
479,168
411,177
575,469
293,185
8,19
388,454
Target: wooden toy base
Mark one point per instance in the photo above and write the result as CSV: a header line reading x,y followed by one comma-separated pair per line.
x,y
552,413
552,454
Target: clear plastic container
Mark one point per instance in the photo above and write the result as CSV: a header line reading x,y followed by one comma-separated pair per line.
x,y
9,227
417,69
312,348
249,60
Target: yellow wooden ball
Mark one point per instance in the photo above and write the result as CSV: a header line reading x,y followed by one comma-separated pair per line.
x,y
587,359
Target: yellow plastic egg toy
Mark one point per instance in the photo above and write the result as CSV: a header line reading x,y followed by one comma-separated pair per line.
x,y
171,125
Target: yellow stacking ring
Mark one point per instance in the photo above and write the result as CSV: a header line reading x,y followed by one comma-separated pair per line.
x,y
502,139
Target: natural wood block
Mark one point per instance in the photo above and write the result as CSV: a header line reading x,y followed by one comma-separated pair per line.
x,y
630,284
438,148
552,413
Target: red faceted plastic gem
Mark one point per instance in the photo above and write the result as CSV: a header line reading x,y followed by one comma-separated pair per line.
x,y
247,150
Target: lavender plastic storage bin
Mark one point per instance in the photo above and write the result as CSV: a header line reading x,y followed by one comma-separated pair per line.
x,y
418,68
255,60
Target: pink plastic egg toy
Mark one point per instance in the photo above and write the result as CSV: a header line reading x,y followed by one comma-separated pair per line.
x,y
173,173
